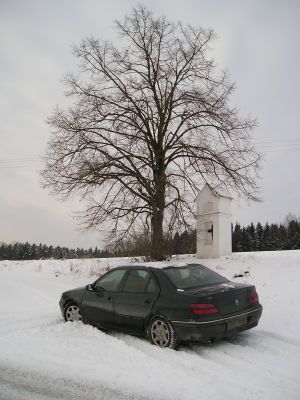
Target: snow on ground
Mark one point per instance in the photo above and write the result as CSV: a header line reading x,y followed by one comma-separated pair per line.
x,y
43,358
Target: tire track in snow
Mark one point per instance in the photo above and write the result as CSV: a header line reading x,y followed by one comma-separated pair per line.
x,y
255,363
207,364
19,384
28,323
278,337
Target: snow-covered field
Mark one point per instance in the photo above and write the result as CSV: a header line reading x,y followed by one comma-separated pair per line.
x,y
41,357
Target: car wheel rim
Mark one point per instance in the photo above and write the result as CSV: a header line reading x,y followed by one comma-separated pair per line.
x,y
73,314
160,333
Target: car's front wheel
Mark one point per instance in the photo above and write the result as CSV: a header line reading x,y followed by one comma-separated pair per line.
x,y
161,333
72,312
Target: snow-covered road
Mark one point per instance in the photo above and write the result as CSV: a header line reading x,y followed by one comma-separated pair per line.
x,y
41,357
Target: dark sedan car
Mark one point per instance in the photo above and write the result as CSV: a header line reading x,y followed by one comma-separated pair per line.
x,y
168,305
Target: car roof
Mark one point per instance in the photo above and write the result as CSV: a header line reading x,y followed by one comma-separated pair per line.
x,y
159,266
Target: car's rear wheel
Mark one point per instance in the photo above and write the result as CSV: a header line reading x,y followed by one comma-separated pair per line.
x,y
72,312
161,333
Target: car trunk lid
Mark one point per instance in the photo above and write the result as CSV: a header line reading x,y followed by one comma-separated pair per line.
x,y
227,297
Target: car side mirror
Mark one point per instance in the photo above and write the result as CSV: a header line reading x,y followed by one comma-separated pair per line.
x,y
89,287
99,289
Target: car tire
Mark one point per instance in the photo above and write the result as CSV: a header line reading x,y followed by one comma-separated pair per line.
x,y
72,312
161,333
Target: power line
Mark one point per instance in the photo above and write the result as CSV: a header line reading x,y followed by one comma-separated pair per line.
x,y
274,150
15,163
266,147
279,146
18,166
19,160
278,141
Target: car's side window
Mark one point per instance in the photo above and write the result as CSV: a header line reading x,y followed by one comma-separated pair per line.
x,y
111,281
151,288
137,281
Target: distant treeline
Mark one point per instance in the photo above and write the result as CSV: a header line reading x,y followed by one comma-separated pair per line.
x,y
284,236
266,237
27,251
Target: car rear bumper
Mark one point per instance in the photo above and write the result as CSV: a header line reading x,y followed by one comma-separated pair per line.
x,y
204,331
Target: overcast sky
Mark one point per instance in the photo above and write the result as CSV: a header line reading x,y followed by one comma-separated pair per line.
x,y
258,43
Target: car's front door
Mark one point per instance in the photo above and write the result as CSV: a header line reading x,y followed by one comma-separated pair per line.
x,y
98,299
134,303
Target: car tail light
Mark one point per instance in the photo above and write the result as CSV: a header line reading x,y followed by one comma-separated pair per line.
x,y
254,297
204,309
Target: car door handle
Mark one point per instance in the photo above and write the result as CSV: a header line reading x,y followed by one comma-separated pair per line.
x,y
147,301
109,299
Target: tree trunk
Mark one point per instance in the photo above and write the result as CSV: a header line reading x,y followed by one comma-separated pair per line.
x,y
157,237
158,207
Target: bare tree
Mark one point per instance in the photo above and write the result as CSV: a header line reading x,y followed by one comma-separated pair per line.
x,y
151,122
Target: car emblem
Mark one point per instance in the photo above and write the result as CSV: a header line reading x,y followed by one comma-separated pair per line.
x,y
236,302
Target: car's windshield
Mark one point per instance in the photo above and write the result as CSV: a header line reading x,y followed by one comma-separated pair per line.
x,y
193,275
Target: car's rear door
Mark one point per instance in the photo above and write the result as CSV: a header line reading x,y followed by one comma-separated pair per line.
x,y
135,301
98,301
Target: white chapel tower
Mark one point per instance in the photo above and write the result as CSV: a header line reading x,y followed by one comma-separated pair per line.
x,y
213,224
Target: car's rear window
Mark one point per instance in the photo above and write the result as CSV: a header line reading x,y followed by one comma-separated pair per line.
x,y
193,275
